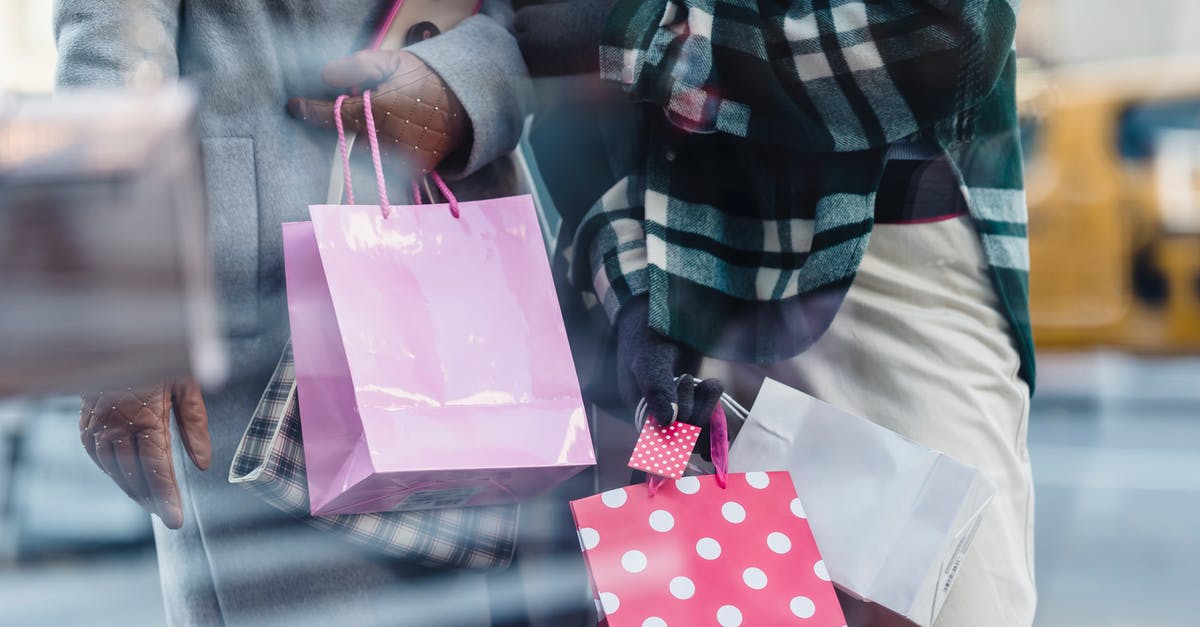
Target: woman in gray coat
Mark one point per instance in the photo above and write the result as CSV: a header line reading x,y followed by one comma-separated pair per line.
x,y
224,556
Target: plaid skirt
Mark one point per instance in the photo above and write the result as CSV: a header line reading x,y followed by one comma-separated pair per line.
x,y
270,461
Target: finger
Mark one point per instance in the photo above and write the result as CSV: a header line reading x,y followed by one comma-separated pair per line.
x,y
106,458
87,437
653,369
661,402
87,411
707,394
685,391
320,113
363,69
154,454
192,417
125,450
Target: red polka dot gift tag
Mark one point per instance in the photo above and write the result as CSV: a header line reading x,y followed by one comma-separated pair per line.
x,y
664,451
698,555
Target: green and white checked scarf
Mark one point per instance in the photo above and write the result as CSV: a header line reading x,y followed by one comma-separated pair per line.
x,y
750,208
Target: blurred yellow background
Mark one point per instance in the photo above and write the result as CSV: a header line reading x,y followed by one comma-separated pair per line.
x,y
1113,176
1111,128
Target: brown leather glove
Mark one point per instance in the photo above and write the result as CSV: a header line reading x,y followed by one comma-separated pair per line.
x,y
128,435
416,115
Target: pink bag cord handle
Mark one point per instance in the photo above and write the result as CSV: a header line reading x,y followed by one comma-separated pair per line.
x,y
373,140
443,188
446,193
376,43
341,133
718,446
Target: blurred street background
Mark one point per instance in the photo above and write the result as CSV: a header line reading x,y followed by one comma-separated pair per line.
x,y
1110,95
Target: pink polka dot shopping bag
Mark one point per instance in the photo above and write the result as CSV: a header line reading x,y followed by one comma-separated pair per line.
x,y
726,550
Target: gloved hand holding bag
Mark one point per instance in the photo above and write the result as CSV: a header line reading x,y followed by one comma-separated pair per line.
x,y
418,118
128,434
646,367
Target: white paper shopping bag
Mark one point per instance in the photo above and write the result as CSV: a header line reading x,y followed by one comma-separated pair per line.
x,y
893,519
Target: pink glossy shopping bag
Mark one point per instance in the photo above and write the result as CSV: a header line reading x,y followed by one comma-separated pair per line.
x,y
717,550
432,364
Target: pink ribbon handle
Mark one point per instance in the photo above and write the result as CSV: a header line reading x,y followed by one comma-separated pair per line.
x,y
719,443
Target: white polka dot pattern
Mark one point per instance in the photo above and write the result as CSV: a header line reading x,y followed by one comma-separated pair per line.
x,y
697,553
754,578
779,543
634,561
708,548
609,602
682,588
803,607
589,538
614,498
729,616
798,509
733,512
664,451
661,521
758,480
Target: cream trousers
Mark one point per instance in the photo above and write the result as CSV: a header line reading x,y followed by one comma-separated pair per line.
x,y
920,347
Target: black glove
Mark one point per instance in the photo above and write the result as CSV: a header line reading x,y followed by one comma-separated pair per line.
x,y
562,37
646,369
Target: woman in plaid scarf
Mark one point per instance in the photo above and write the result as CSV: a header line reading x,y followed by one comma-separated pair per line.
x,y
827,193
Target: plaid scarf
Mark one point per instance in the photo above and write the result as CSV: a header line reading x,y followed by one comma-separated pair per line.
x,y
749,208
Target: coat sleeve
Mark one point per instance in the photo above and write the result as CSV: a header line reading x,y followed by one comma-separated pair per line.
x,y
110,42
809,74
480,61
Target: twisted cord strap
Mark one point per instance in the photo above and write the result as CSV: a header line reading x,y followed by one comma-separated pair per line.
x,y
373,140
443,188
341,133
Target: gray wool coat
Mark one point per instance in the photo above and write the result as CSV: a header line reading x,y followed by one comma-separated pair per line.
x,y
236,562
